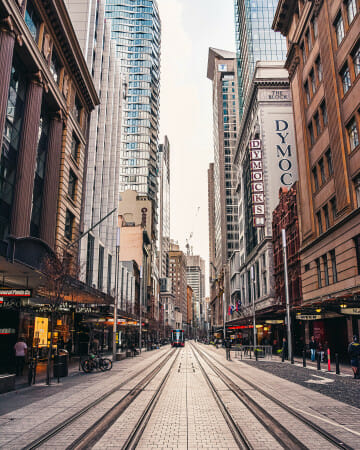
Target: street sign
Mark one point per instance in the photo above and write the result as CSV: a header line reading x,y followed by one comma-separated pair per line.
x,y
309,317
15,293
351,311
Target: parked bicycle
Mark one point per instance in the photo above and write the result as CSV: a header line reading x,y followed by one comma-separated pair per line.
x,y
96,362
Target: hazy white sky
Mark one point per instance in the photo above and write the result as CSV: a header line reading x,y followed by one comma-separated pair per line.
x,y
189,28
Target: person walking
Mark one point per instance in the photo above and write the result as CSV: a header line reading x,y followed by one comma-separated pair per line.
x,y
354,354
20,353
228,348
312,347
285,349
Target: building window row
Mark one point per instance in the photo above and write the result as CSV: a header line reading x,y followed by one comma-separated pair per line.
x,y
318,123
326,216
323,266
325,170
311,35
314,80
348,11
352,129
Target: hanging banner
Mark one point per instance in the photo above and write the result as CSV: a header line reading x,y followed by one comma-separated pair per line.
x,y
257,183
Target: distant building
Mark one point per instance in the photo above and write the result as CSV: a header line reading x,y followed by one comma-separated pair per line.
x,y
195,275
177,267
164,207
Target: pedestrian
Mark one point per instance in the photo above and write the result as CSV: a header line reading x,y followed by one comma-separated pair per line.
x,y
20,353
312,347
228,348
285,349
354,354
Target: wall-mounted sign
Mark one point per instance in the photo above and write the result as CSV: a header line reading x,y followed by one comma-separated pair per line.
x,y
222,67
15,293
274,322
309,317
41,331
257,183
351,311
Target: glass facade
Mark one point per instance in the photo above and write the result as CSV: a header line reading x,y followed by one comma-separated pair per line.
x,y
136,29
255,40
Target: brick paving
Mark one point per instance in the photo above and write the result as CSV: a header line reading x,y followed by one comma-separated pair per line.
x,y
333,415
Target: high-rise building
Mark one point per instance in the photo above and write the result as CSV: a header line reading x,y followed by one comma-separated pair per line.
x,y
177,274
164,208
195,275
324,65
255,41
98,248
136,28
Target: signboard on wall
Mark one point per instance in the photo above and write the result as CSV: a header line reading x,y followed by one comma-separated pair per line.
x,y
257,183
41,331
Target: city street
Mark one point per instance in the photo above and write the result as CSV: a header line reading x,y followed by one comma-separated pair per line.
x,y
186,398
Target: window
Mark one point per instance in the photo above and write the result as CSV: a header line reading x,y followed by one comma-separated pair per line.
x,y
101,267
303,53
72,185
109,274
77,108
317,124
315,178
315,27
55,66
326,270
333,207
345,79
357,190
353,134
32,21
319,69
333,266
311,134
350,10
319,221
357,249
69,224
329,163
90,260
322,171
339,29
356,61
307,267
326,216
324,113
313,82
307,93
317,261
75,147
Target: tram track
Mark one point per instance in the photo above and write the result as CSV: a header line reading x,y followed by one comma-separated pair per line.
x,y
94,433
282,435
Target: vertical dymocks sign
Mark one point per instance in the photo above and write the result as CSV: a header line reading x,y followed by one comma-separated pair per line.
x,y
257,183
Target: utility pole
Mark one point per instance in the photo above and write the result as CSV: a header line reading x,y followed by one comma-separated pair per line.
x,y
289,339
116,297
140,307
252,275
224,313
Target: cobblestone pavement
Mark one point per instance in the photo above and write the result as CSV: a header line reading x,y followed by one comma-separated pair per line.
x,y
338,418
43,409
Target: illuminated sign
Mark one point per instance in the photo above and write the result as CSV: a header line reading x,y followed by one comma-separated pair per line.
x,y
309,317
351,311
15,293
274,322
41,331
257,183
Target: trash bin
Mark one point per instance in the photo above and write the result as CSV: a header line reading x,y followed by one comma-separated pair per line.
x,y
61,363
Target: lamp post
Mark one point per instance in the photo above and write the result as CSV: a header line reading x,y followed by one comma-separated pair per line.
x,y
140,307
283,233
116,298
252,276
224,313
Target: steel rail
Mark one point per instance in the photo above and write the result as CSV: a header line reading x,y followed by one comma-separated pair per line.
x,y
325,434
36,443
238,434
140,426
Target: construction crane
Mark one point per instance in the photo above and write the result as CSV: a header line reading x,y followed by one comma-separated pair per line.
x,y
189,248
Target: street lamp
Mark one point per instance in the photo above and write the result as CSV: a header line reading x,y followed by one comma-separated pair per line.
x,y
116,297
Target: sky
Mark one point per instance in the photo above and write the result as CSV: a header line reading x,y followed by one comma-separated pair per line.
x,y
189,28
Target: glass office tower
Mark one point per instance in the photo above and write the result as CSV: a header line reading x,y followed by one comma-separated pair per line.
x,y
136,29
255,40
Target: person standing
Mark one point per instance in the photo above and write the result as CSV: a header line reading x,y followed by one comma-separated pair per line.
x,y
312,347
20,353
285,349
354,354
228,348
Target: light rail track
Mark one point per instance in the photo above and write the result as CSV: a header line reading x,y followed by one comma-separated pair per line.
x,y
282,435
90,436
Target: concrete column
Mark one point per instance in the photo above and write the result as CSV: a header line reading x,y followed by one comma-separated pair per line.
x,y
7,41
349,326
51,182
24,184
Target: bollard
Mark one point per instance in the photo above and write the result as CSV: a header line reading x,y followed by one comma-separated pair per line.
x,y
304,358
319,361
328,358
337,364
292,358
256,354
283,356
